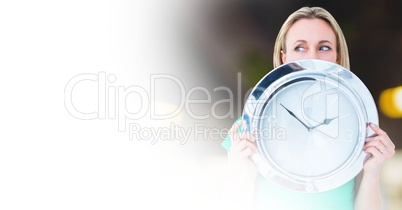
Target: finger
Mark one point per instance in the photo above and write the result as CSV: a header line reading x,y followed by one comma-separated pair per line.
x,y
239,146
373,138
376,129
378,145
243,124
247,144
242,136
387,142
247,136
380,139
384,136
235,127
234,134
248,152
374,151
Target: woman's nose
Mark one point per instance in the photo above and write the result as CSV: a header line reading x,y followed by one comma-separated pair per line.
x,y
312,55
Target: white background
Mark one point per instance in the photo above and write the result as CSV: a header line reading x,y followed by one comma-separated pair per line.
x,y
49,159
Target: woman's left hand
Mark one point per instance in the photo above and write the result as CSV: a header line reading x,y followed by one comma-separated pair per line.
x,y
381,148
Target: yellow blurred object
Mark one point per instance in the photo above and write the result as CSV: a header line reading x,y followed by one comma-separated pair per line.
x,y
391,102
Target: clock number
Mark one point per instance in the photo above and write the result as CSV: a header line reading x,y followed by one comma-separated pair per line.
x,y
349,135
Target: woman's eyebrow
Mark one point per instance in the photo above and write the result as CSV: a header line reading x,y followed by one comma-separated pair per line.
x,y
304,41
299,41
325,41
321,41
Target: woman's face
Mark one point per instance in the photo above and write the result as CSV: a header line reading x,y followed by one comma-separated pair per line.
x,y
310,39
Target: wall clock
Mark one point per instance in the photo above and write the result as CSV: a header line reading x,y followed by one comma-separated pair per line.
x,y
310,121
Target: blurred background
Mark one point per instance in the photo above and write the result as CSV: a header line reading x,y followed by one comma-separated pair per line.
x,y
124,104
239,36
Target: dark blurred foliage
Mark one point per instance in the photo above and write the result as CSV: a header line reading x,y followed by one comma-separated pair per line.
x,y
247,29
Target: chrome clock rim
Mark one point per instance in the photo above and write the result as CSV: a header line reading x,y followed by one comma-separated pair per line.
x,y
265,88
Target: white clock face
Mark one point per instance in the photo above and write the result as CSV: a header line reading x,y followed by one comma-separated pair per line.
x,y
310,117
311,128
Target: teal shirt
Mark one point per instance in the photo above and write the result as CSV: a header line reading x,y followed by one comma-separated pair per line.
x,y
269,195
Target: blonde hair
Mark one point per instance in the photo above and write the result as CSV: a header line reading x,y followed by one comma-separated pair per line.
x,y
312,13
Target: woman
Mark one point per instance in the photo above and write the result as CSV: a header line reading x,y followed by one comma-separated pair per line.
x,y
308,33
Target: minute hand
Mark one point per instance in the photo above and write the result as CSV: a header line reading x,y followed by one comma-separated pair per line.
x,y
293,115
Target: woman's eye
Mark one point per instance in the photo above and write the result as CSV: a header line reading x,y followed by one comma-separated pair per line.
x,y
325,48
300,49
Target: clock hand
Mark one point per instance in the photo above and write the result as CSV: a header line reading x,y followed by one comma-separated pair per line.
x,y
326,122
293,115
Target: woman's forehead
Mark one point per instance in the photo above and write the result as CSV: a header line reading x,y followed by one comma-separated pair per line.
x,y
310,30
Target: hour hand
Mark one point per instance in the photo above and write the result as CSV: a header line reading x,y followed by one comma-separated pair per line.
x,y
293,115
326,122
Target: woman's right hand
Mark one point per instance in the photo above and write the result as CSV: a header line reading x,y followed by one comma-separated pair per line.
x,y
241,178
242,145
